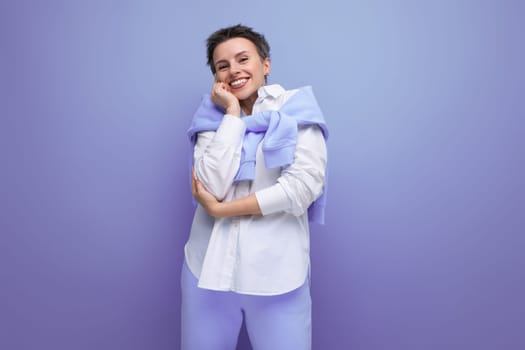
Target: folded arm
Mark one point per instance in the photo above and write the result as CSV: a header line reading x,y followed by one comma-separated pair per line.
x,y
298,186
244,206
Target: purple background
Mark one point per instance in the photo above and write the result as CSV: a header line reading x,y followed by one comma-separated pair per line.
x,y
424,243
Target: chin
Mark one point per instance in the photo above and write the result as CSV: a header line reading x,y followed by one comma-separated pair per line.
x,y
243,95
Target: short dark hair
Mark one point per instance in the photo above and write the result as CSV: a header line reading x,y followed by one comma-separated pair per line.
x,y
236,31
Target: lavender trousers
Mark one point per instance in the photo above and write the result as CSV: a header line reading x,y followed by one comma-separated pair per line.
x,y
211,320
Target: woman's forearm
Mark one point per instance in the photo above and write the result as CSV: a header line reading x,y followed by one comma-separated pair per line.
x,y
238,207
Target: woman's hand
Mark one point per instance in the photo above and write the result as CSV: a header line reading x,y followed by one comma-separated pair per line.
x,y
242,206
221,95
205,198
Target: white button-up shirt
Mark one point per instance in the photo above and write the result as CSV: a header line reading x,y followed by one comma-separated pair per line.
x,y
258,255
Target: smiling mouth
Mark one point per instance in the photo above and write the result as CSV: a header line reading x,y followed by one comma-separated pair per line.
x,y
237,84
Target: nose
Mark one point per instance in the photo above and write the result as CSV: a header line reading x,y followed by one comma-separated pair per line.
x,y
235,69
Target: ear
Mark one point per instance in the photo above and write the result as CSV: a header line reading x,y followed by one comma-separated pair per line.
x,y
267,66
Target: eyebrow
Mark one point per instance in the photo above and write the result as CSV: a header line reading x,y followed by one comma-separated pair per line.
x,y
237,55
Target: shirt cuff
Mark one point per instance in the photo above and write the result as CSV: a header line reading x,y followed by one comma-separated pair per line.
x,y
273,199
231,130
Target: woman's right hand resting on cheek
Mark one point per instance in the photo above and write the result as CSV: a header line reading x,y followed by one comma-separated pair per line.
x,y
221,95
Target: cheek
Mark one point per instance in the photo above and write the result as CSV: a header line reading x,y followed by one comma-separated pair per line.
x,y
220,76
258,72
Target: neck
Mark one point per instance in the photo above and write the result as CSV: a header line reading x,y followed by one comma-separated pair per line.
x,y
247,105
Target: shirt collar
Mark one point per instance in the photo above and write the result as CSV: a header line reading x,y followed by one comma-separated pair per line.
x,y
274,90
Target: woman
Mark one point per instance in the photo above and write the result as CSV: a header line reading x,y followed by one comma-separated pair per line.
x,y
258,175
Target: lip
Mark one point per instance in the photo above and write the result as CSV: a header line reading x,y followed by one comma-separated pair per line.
x,y
239,86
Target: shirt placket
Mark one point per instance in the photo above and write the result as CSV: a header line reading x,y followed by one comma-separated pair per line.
x,y
233,256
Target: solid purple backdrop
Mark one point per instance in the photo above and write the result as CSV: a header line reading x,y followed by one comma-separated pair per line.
x,y
424,236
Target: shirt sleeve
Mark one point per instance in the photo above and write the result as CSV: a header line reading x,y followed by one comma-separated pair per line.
x,y
217,155
300,183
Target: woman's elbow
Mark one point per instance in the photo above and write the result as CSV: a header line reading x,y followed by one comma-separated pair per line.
x,y
303,193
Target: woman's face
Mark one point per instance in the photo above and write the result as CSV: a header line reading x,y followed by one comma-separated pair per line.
x,y
238,65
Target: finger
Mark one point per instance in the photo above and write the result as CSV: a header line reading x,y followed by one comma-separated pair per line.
x,y
219,86
198,186
217,89
193,187
226,87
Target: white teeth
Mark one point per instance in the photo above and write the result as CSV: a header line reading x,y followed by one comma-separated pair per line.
x,y
238,82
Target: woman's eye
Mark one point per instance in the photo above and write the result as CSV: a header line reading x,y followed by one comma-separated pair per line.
x,y
243,59
222,67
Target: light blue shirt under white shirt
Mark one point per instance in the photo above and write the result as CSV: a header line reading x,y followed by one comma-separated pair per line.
x,y
257,255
